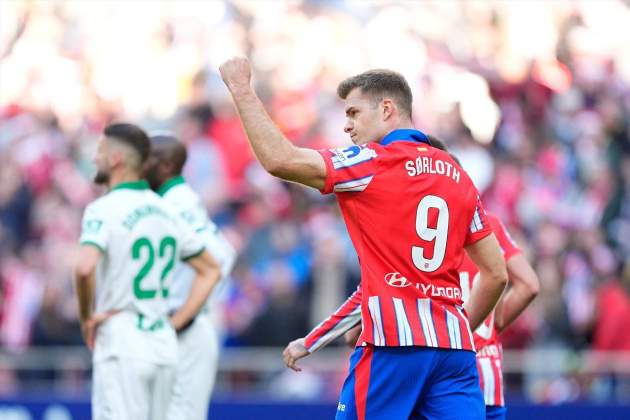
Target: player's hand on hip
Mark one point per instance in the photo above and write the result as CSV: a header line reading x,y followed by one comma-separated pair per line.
x,y
294,352
236,73
90,326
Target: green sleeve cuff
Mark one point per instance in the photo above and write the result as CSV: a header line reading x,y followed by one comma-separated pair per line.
x,y
196,254
94,244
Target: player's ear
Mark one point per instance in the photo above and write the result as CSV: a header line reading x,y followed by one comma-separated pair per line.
x,y
387,108
168,167
115,157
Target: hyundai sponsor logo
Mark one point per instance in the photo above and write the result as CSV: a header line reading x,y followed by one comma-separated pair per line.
x,y
397,280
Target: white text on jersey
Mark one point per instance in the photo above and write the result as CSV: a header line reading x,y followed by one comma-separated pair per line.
x,y
426,165
141,212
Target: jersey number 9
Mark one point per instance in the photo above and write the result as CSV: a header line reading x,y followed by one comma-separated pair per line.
x,y
439,234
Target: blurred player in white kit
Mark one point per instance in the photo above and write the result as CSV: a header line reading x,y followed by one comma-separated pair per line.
x,y
130,241
198,342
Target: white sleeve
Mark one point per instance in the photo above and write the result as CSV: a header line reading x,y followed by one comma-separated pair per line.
x,y
190,244
219,247
95,230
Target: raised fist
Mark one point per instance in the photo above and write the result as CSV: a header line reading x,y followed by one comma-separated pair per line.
x,y
236,73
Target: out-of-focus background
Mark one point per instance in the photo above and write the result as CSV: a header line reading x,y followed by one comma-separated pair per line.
x,y
533,96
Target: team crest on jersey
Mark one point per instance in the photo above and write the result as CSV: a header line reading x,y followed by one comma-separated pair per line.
x,y
347,153
351,156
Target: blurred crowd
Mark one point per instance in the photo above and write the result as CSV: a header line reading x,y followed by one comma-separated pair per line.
x,y
533,97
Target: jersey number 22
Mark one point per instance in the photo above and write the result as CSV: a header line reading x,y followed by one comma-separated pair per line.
x,y
166,249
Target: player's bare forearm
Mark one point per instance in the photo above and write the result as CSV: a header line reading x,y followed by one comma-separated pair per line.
x,y
84,280
208,273
524,287
271,148
483,298
352,336
275,152
485,293
84,285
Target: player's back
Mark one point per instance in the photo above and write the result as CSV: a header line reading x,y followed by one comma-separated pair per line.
x,y
189,207
409,220
141,239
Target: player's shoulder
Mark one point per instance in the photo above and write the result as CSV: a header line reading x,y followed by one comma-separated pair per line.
x,y
498,227
466,181
181,194
101,204
494,221
141,199
345,157
159,201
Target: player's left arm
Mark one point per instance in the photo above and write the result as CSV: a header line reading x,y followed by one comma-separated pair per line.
x,y
275,152
486,292
524,287
482,246
208,274
221,249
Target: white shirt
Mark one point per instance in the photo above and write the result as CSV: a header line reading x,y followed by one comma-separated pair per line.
x,y
190,208
142,239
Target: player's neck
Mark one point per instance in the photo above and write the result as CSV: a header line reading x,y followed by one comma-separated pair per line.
x,y
399,125
403,124
120,177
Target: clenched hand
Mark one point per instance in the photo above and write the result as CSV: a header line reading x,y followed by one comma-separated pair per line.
x,y
236,73
294,352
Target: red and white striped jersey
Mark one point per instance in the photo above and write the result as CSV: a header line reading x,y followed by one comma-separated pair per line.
x,y
410,210
490,368
343,319
489,352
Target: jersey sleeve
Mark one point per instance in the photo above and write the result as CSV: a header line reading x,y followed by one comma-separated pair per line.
x,y
349,169
342,320
507,244
95,230
190,243
219,247
479,225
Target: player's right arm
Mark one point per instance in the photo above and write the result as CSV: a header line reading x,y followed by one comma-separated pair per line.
x,y
485,293
85,267
84,279
343,319
94,240
352,336
275,152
